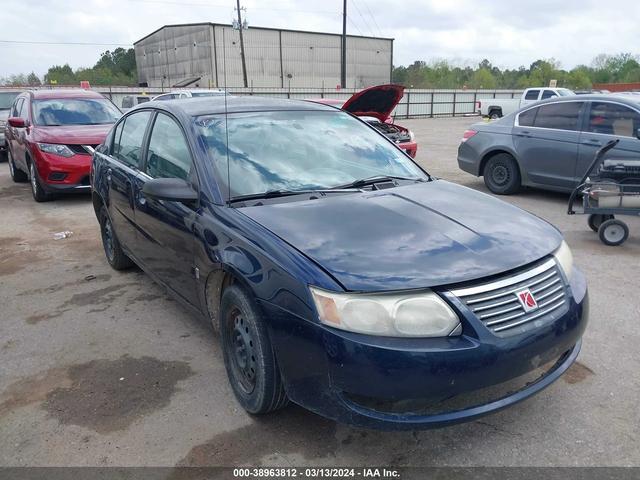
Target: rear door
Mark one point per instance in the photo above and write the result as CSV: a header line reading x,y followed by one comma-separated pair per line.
x,y
546,141
166,227
531,96
608,121
125,160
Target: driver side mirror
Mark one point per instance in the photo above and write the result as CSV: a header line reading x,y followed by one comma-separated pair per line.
x,y
638,133
17,122
172,189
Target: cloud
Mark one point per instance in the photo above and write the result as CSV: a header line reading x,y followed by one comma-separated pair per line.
x,y
509,33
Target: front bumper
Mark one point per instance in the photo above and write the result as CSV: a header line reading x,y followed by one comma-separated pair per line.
x,y
410,147
393,383
63,174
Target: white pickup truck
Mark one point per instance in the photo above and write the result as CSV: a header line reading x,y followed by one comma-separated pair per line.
x,y
499,107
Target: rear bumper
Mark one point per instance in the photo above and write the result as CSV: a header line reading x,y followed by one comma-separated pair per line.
x,y
392,383
468,159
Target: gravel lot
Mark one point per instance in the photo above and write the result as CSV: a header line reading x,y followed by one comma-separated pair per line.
x,y
103,368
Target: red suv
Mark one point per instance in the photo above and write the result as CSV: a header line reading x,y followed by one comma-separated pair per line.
x,y
51,134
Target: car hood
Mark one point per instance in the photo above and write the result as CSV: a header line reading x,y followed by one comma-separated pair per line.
x,y
378,101
72,134
414,236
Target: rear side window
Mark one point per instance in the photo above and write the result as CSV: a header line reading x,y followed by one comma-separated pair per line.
x,y
169,155
526,118
548,94
532,95
561,116
127,143
613,119
127,102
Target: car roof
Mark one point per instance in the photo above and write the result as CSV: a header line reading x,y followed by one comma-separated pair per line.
x,y
592,97
67,93
212,105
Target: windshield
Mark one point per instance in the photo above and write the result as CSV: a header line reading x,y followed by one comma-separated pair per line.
x,y
74,111
6,99
565,92
296,150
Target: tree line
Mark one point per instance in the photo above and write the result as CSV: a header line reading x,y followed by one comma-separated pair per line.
x,y
620,68
117,67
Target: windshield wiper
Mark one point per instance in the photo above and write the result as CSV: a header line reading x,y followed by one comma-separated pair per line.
x,y
377,179
287,193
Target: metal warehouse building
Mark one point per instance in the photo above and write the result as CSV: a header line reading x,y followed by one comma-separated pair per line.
x,y
203,54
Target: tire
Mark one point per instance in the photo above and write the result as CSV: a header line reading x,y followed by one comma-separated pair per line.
x,y
502,175
39,195
3,155
613,232
495,114
248,355
112,249
17,175
595,220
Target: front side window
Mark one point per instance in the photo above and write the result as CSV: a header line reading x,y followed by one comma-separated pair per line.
x,y
560,116
169,155
74,111
532,95
127,102
297,150
15,111
128,137
23,113
613,119
548,94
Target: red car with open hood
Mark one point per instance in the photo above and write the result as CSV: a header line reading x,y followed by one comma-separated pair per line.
x,y
375,105
51,135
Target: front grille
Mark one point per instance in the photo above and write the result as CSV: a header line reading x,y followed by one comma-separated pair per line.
x,y
497,305
81,149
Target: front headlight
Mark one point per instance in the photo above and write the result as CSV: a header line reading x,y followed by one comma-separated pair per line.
x,y
56,149
387,314
565,258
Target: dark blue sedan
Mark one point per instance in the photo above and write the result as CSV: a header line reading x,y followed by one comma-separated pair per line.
x,y
339,275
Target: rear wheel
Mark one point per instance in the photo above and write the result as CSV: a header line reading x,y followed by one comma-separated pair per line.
x,y
613,232
495,114
112,249
17,175
501,174
39,194
595,220
248,355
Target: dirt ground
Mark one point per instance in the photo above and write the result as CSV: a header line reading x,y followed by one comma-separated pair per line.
x,y
101,368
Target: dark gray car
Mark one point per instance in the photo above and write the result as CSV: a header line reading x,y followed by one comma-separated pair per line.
x,y
550,144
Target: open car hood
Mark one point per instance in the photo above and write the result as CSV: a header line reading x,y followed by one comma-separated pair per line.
x,y
378,101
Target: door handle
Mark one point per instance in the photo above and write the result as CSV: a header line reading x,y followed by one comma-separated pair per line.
x,y
592,141
109,175
524,133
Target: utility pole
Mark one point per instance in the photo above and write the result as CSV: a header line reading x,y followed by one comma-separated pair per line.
x,y
343,66
240,28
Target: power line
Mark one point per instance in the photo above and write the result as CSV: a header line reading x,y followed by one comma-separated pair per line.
x,y
34,42
373,18
209,5
365,23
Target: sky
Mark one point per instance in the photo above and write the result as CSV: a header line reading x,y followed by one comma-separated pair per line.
x,y
508,33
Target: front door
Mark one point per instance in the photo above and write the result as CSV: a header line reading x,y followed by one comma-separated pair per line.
x,y
608,121
167,227
546,140
125,160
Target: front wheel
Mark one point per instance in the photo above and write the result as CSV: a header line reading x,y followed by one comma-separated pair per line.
x,y
39,194
248,355
613,232
501,174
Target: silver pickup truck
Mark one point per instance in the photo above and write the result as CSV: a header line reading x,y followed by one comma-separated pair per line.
x,y
499,107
